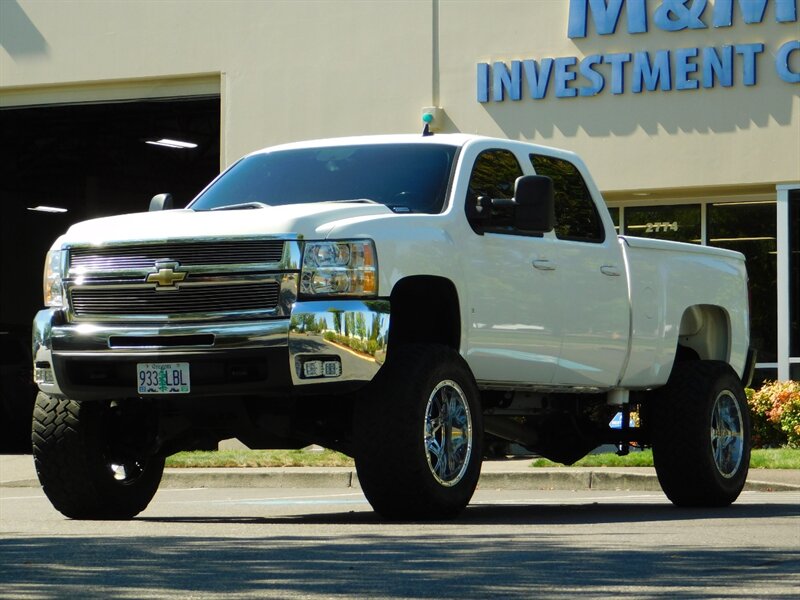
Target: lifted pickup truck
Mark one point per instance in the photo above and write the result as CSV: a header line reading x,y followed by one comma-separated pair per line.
x,y
403,299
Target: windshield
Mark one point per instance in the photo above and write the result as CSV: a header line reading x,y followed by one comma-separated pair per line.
x,y
404,177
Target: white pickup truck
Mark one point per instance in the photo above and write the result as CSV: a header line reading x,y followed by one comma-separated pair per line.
x,y
407,300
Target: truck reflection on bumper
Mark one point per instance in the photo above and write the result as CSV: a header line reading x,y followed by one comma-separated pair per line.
x,y
343,341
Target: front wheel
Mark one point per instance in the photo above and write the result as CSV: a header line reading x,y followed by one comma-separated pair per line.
x,y
91,459
701,435
419,435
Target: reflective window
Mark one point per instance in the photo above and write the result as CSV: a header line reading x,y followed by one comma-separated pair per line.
x,y
750,228
405,177
678,223
794,279
762,375
614,212
493,176
576,214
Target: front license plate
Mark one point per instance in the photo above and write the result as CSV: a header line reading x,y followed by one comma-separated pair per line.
x,y
163,378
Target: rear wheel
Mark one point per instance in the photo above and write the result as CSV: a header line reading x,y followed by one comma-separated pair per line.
x,y
701,435
91,459
418,435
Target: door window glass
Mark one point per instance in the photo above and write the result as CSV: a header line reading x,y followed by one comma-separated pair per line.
x,y
576,214
493,176
678,223
750,228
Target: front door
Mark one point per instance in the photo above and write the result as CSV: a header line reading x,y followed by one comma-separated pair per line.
x,y
594,302
514,285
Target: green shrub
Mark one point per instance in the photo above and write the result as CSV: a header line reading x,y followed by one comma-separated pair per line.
x,y
775,414
765,433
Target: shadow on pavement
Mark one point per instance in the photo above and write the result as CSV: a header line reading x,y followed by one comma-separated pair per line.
x,y
527,514
331,555
334,563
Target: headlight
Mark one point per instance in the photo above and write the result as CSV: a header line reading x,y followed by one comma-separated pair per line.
x,y
339,269
53,288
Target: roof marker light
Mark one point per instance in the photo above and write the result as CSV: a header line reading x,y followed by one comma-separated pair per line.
x,y
427,118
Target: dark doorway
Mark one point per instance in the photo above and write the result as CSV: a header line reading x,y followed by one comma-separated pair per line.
x,y
61,164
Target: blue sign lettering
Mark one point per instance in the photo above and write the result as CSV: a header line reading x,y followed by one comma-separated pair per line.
x,y
659,70
683,68
538,79
564,75
675,15
605,16
748,52
670,15
785,72
483,82
650,75
597,83
718,65
664,70
753,11
617,62
505,79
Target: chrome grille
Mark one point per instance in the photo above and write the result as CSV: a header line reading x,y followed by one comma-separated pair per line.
x,y
90,301
144,256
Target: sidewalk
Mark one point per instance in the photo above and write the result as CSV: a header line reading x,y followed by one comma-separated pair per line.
x,y
18,471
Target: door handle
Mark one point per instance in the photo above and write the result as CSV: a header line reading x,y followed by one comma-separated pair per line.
x,y
544,265
610,270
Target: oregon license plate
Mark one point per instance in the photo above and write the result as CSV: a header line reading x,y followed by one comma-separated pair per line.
x,y
163,378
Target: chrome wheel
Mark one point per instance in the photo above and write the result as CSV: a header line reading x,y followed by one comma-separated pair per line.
x,y
418,453
126,472
700,433
448,433
727,438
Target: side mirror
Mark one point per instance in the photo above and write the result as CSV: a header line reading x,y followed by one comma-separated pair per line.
x,y
161,202
535,207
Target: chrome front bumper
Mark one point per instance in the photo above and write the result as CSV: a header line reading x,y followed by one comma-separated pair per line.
x,y
342,341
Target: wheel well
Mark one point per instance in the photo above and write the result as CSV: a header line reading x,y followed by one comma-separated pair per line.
x,y
705,329
425,309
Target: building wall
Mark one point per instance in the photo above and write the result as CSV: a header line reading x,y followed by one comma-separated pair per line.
x,y
289,70
286,70
679,138
299,69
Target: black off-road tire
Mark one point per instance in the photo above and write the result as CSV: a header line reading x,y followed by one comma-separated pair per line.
x,y
397,434
81,471
700,429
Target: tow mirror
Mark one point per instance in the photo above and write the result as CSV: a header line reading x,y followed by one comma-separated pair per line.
x,y
535,207
161,202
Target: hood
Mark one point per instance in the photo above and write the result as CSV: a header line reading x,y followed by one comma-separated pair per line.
x,y
311,221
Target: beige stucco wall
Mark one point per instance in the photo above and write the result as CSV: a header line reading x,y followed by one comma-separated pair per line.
x,y
291,70
704,137
287,70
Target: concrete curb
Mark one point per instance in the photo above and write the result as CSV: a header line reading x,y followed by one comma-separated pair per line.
x,y
315,478
20,483
599,480
259,478
764,486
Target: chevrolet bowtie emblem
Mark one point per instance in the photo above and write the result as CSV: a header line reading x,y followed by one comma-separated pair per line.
x,y
166,277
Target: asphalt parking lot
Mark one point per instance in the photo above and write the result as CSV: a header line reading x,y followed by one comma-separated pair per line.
x,y
327,543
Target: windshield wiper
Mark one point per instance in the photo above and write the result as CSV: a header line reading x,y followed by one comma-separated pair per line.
x,y
355,200
242,206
